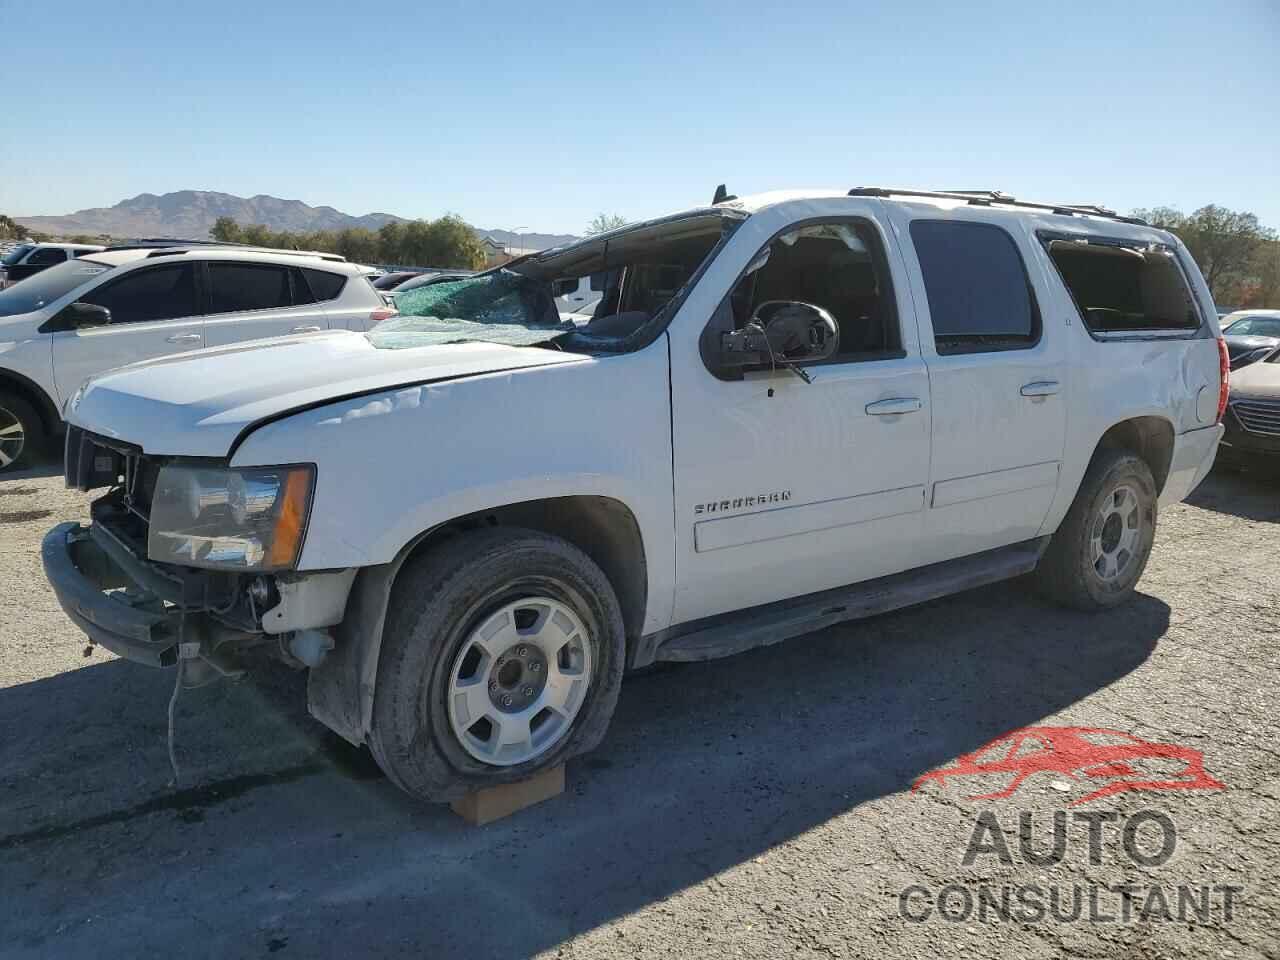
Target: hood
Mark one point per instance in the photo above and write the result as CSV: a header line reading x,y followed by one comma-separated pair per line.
x,y
196,404
1258,381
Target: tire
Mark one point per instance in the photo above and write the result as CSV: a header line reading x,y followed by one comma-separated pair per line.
x,y
439,604
18,450
1071,572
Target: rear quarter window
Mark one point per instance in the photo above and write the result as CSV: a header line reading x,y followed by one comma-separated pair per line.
x,y
323,284
1125,287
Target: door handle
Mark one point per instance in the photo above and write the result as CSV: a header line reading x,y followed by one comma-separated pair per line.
x,y
184,338
1040,388
894,405
306,329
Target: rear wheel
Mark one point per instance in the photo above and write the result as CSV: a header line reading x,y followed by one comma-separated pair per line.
x,y
21,432
502,656
1101,548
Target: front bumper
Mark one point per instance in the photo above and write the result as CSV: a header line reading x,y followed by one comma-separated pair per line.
x,y
1193,454
133,625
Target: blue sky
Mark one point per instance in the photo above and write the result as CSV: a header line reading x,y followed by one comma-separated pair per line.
x,y
541,115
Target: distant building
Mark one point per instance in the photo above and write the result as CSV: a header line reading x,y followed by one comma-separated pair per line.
x,y
496,252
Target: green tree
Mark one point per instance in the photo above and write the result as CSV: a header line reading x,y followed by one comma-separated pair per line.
x,y
452,243
1225,244
446,242
604,222
390,243
10,230
225,230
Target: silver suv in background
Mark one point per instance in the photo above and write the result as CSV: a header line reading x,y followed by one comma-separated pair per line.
x,y
116,306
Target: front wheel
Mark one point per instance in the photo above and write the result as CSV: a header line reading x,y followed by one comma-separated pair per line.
x,y
21,432
502,656
1102,546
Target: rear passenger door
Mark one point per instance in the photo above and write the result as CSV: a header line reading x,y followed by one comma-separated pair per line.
x,y
252,301
996,374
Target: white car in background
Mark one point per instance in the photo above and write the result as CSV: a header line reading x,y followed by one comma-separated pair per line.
x,y
27,259
85,316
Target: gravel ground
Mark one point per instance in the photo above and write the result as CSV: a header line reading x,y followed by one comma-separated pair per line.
x,y
759,807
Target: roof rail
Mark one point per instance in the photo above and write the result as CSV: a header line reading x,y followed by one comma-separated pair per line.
x,y
985,198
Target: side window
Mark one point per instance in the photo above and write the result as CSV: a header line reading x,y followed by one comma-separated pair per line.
x,y
301,290
46,256
323,284
80,253
839,266
235,287
980,298
1125,287
151,293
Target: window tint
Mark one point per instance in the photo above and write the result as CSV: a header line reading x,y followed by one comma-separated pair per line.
x,y
47,255
324,285
234,287
151,293
979,295
839,266
1125,288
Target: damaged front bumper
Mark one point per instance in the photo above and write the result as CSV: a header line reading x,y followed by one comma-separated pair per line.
x,y
155,615
95,591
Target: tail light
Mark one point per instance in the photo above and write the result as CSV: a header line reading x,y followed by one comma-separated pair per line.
x,y
384,313
1224,378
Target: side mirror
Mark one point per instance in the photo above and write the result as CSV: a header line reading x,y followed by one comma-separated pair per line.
x,y
562,288
782,333
77,315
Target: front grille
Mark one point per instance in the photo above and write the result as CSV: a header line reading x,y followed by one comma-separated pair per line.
x,y
1258,416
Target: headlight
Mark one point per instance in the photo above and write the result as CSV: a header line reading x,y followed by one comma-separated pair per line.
x,y
250,519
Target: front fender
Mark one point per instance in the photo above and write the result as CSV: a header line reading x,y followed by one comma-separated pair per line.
x,y
392,465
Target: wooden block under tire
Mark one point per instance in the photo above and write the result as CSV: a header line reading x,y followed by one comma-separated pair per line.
x,y
494,803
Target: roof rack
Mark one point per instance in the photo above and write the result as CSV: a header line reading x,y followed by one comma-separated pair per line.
x,y
985,198
165,248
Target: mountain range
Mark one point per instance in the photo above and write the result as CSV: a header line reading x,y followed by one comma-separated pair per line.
x,y
189,215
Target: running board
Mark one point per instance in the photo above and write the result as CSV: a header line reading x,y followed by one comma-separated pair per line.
x,y
727,634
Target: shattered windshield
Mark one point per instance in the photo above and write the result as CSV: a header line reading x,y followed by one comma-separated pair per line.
x,y
499,307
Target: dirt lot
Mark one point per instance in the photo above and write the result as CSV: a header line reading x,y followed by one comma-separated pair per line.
x,y
759,806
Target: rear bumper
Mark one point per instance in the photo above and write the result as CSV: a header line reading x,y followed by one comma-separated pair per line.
x,y
1193,454
81,573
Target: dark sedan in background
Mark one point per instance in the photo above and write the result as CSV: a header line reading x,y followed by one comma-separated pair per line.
x,y
1250,335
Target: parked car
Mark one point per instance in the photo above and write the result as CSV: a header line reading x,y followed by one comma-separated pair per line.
x,y
1251,335
1252,422
116,306
30,258
389,281
426,279
792,410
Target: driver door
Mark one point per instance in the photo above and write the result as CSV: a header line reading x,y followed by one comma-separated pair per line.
x,y
785,488
154,313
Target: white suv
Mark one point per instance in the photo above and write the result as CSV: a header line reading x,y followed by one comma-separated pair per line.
x,y
28,259
116,306
787,411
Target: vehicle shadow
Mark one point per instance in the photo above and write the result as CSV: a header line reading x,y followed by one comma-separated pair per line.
x,y
1253,495
705,767
46,465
